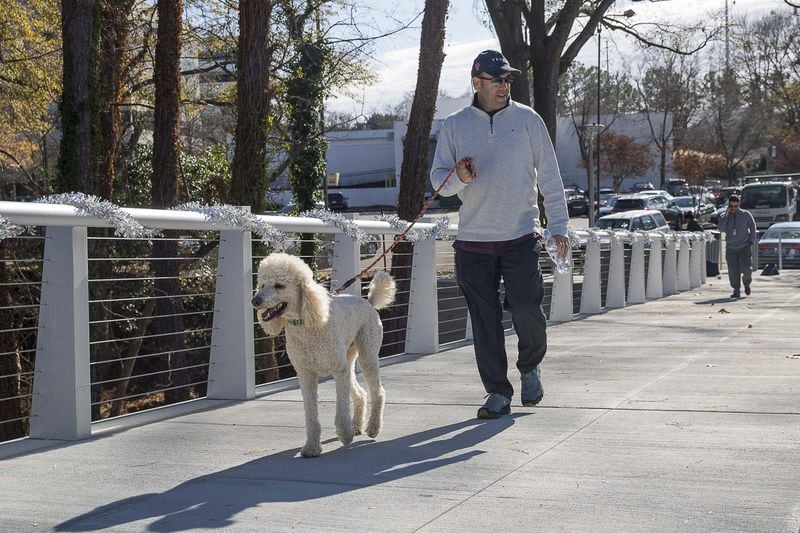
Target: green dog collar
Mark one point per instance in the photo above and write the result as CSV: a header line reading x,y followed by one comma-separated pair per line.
x,y
295,321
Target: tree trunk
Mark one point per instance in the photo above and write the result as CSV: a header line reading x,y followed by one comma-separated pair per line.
x,y
249,173
75,157
166,168
166,142
507,20
111,51
415,166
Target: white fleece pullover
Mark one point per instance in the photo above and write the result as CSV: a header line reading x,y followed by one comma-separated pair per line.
x,y
513,156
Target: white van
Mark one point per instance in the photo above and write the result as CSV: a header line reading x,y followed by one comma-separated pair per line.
x,y
770,202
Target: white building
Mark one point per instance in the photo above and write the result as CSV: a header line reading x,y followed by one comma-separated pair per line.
x,y
363,164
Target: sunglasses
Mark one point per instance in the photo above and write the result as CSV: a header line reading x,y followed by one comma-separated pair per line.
x,y
497,81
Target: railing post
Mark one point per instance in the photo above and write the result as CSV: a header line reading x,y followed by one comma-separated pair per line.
x,y
423,307
683,263
670,265
655,272
695,262
615,297
636,287
346,261
231,374
61,387
590,293
561,305
704,257
468,330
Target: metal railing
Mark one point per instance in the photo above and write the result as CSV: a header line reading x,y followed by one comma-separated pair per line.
x,y
97,327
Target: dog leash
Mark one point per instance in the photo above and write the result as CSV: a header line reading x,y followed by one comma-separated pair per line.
x,y
401,237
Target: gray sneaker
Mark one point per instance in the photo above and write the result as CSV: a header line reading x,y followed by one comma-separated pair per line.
x,y
495,406
532,390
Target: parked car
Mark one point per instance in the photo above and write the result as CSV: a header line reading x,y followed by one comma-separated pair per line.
x,y
692,204
642,186
637,220
291,208
577,204
630,202
337,201
789,233
606,205
674,185
574,188
657,192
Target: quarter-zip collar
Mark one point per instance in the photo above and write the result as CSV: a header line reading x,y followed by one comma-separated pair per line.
x,y
491,115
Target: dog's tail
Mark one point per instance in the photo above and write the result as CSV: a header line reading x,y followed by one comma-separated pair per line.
x,y
381,290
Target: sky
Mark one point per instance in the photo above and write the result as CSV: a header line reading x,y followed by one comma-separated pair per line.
x,y
396,57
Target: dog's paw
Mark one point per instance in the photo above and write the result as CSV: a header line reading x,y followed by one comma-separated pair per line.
x,y
345,435
311,450
373,429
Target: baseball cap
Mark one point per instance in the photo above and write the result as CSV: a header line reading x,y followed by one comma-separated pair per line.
x,y
492,62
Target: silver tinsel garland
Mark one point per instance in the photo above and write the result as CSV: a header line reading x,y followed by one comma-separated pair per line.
x,y
8,229
395,222
86,204
346,225
594,235
438,231
237,217
574,239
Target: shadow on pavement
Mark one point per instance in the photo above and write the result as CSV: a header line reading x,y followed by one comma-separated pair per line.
x,y
213,500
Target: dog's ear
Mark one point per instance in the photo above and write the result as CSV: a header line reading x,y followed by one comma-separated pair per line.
x,y
315,304
274,326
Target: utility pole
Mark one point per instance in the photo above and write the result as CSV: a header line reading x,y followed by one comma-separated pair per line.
x,y
727,40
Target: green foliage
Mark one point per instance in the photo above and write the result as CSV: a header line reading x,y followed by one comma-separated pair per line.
x,y
30,82
204,178
305,94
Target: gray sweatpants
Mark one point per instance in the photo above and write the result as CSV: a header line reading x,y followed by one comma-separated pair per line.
x,y
740,266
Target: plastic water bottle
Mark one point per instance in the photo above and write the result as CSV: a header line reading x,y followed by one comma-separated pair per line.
x,y
560,264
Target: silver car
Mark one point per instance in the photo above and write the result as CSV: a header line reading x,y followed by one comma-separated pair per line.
x,y
787,234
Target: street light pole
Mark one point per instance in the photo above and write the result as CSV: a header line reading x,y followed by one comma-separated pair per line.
x,y
588,132
597,189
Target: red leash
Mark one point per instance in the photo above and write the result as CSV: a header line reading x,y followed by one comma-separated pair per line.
x,y
401,237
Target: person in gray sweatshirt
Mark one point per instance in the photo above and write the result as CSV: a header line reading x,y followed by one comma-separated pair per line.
x,y
503,157
740,235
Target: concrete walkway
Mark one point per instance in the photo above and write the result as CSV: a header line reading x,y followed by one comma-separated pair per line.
x,y
681,414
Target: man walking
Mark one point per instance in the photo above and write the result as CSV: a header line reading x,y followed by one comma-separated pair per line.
x,y
503,157
740,236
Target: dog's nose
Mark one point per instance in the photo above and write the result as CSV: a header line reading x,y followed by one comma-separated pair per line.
x,y
257,301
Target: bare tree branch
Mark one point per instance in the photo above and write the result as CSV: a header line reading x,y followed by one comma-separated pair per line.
x,y
24,171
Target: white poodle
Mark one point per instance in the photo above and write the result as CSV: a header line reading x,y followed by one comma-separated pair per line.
x,y
324,336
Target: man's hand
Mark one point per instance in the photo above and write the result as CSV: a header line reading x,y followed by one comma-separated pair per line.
x,y
563,245
465,170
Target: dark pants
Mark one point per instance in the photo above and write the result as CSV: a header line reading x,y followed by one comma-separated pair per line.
x,y
479,278
740,266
